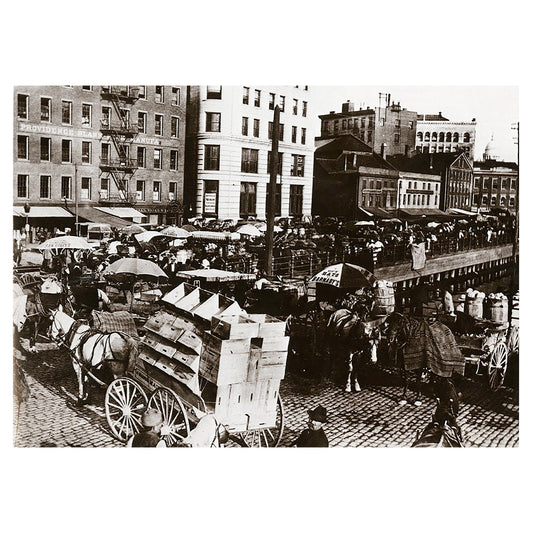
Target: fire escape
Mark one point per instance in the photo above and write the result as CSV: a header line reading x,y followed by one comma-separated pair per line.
x,y
116,125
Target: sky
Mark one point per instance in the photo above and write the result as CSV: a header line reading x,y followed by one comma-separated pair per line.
x,y
494,108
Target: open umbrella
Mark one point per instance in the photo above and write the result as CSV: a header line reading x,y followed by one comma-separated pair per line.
x,y
134,229
188,227
147,236
177,233
250,230
345,276
133,267
364,223
66,242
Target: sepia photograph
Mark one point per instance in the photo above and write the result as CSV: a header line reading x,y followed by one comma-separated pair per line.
x,y
265,266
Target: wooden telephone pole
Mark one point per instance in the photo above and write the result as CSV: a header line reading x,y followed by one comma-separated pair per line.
x,y
271,207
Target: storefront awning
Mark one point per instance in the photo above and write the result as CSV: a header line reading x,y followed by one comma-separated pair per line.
x,y
422,212
91,214
127,213
216,236
41,211
462,212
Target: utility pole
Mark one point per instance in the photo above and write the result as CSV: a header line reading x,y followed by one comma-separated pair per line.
x,y
76,198
514,280
271,208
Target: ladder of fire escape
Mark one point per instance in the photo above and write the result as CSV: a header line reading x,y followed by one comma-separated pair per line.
x,y
121,138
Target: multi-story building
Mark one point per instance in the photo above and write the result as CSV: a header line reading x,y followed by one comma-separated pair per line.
x,y
419,187
389,129
229,131
106,147
495,182
349,175
437,134
455,174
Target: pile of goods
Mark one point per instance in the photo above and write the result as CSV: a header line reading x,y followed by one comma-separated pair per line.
x,y
215,357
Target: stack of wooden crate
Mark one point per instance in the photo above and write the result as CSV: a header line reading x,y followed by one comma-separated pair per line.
x,y
204,337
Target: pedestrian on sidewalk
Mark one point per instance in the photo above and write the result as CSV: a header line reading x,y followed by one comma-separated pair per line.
x,y
150,436
314,436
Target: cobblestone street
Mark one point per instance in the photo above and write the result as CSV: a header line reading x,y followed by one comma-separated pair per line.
x,y
371,418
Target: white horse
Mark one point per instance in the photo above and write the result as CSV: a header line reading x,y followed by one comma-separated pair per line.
x,y
91,349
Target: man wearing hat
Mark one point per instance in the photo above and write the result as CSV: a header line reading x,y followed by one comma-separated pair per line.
x,y
150,436
314,436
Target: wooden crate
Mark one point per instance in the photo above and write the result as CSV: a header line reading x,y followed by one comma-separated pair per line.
x,y
225,369
266,365
156,322
213,346
273,344
269,326
234,327
247,405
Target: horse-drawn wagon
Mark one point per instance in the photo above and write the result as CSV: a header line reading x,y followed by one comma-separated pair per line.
x,y
202,354
490,350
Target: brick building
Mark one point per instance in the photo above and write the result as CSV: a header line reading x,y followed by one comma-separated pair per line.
x,y
115,150
228,150
389,129
495,182
349,175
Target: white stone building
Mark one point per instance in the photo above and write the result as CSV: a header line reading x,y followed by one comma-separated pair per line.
x,y
228,148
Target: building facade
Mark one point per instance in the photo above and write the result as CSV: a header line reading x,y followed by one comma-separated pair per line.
x,y
229,132
388,129
100,146
349,175
437,134
418,191
495,182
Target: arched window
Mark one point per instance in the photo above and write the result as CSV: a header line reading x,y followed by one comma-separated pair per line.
x,y
427,136
441,137
455,137
420,136
503,200
449,137
434,136
466,137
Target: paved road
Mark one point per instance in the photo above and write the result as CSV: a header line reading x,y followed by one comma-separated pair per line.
x,y
370,418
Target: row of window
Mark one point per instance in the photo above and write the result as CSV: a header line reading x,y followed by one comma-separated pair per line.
x,y
248,199
419,199
425,185
256,130
23,102
250,161
494,201
272,98
45,191
497,183
442,137
378,200
105,153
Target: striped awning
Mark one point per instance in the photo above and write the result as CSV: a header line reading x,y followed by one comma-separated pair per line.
x,y
216,236
127,213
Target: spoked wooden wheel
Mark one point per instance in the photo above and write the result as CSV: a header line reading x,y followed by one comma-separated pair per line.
x,y
125,402
497,365
264,438
175,422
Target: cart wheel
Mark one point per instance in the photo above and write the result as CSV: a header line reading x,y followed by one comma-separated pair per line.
x,y
263,438
497,365
125,402
175,422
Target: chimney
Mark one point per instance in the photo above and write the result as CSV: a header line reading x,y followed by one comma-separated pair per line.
x,y
440,114
347,107
383,154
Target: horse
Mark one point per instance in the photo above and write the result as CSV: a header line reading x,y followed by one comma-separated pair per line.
x,y
90,349
443,431
419,345
358,339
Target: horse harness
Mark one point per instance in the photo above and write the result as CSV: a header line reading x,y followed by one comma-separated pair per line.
x,y
68,338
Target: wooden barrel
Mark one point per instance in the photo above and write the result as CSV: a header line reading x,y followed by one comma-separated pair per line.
x,y
499,309
474,306
384,300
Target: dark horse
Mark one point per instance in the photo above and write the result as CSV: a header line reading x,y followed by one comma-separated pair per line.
x,y
443,431
356,339
420,345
